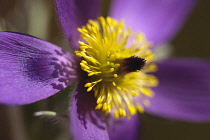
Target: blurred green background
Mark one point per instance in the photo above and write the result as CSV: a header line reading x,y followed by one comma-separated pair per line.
x,y
38,18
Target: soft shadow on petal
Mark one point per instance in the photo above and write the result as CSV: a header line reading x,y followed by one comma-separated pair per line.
x,y
159,20
184,90
75,13
86,122
32,69
124,129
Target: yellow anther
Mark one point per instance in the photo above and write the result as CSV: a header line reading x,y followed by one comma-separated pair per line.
x,y
84,47
117,65
133,93
119,88
89,89
126,90
152,68
88,84
81,43
78,53
100,99
140,108
84,67
98,106
111,69
122,112
116,114
132,110
81,30
105,107
147,92
84,62
113,83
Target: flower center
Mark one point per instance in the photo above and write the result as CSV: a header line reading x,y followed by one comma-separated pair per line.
x,y
116,61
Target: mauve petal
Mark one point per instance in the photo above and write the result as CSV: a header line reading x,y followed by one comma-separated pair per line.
x,y
74,14
31,69
159,20
184,90
124,129
86,123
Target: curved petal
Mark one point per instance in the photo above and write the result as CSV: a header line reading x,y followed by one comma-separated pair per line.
x,y
75,13
86,123
125,129
159,20
184,90
31,69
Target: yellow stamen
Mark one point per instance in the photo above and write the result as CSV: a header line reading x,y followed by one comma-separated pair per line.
x,y
106,43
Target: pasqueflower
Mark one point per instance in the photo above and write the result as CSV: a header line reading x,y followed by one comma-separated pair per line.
x,y
114,67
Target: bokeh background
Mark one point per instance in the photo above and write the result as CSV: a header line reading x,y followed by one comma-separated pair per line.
x,y
38,18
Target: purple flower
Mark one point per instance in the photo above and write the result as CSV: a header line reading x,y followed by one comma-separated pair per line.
x,y
32,69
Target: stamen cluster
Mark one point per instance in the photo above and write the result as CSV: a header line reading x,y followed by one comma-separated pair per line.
x,y
108,54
